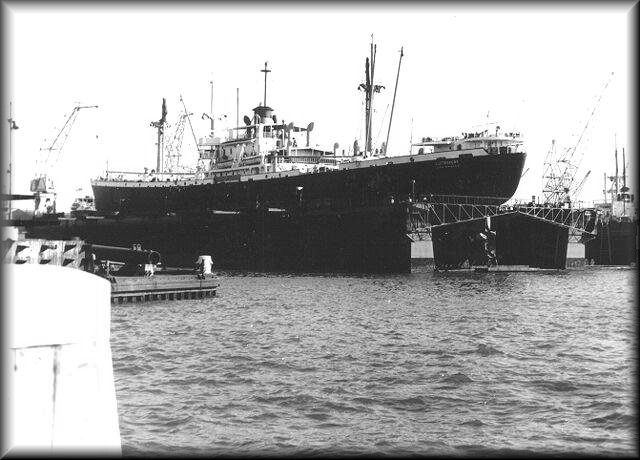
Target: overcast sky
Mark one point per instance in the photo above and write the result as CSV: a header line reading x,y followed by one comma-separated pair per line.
x,y
536,69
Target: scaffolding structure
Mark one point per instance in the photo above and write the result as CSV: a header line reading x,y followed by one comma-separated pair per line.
x,y
439,211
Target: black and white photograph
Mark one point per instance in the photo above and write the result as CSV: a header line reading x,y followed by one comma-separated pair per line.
x,y
317,229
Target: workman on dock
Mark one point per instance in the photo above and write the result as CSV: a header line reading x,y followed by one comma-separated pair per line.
x,y
104,269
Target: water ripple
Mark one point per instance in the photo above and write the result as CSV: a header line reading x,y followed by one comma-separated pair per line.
x,y
420,364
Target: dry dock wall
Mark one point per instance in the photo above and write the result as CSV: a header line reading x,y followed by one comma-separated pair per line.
x,y
422,254
575,255
365,240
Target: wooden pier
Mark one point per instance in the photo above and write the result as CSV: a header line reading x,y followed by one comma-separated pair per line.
x,y
129,289
169,295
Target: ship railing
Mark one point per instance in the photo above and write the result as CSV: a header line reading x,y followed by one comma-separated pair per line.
x,y
475,135
305,159
577,204
459,199
142,177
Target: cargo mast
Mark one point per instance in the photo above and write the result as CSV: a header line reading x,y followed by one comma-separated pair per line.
x,y
265,71
160,125
369,89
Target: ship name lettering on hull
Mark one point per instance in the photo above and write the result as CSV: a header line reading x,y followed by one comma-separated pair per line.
x,y
452,163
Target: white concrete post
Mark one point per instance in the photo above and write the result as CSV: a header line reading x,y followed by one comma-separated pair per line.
x,y
60,394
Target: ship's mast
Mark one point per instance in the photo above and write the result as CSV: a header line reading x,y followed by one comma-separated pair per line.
x,y
615,153
211,109
367,105
369,89
624,189
159,125
266,71
373,68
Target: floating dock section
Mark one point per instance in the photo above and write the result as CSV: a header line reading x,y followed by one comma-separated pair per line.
x,y
466,233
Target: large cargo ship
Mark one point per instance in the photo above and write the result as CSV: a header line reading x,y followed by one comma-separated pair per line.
x,y
261,164
268,163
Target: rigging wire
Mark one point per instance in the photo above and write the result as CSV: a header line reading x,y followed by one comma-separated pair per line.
x,y
381,124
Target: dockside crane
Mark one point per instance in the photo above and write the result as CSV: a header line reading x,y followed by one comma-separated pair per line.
x,y
559,173
174,146
575,191
42,183
171,150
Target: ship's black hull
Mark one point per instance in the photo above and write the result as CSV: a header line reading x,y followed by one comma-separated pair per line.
x,y
367,240
616,243
494,177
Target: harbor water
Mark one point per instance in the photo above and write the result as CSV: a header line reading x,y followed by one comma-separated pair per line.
x,y
425,363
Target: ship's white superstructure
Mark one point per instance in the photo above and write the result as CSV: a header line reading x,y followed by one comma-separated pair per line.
x,y
473,143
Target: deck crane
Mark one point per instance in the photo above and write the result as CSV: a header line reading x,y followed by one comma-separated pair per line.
x,y
42,183
560,171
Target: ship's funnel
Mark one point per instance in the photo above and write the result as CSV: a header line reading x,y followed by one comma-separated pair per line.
x,y
309,129
264,113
